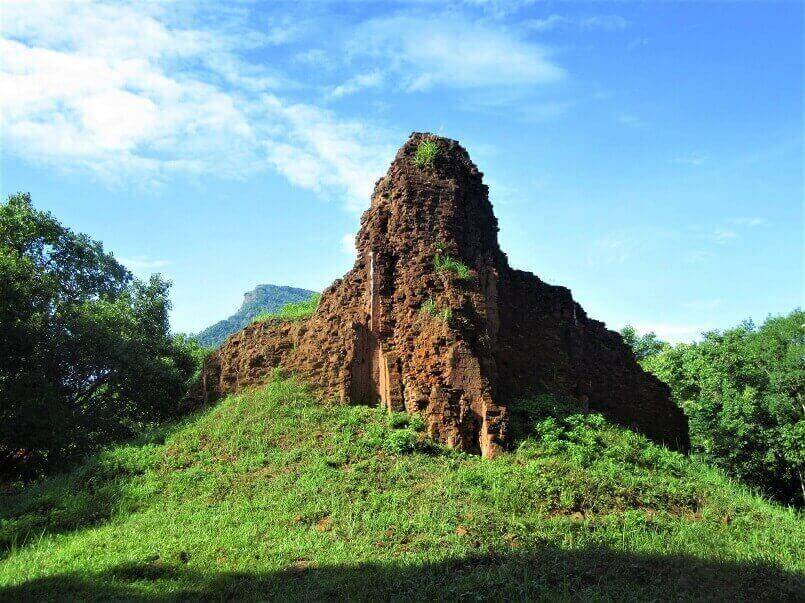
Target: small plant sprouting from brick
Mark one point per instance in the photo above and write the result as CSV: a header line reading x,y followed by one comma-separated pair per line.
x,y
444,263
429,308
426,153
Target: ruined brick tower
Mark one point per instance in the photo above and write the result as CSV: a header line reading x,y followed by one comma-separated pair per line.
x,y
409,328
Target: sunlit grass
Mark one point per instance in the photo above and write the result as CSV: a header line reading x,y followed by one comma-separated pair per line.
x,y
273,495
293,311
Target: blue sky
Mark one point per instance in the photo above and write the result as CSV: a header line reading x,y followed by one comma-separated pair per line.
x,y
647,155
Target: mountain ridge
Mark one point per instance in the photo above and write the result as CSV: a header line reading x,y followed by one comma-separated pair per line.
x,y
263,298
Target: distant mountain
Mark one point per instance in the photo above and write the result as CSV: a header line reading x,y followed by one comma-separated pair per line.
x,y
263,298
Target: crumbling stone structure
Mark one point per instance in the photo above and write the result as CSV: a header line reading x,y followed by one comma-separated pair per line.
x,y
432,320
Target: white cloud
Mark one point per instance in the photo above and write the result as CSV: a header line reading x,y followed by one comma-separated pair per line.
x,y
128,90
615,247
323,151
101,86
362,81
733,228
698,256
454,52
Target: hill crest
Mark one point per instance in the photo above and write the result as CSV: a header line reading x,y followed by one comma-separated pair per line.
x,y
263,298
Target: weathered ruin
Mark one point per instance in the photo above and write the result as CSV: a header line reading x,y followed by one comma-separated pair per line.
x,y
432,320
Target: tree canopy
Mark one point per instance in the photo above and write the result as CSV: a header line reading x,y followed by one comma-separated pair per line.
x,y
87,352
743,390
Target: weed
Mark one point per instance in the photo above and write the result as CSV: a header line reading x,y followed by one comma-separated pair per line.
x,y
445,264
429,308
426,154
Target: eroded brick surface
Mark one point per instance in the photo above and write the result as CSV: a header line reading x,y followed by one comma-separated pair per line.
x,y
508,334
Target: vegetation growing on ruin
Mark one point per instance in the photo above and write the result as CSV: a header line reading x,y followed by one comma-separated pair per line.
x,y
430,308
448,265
293,311
272,494
426,154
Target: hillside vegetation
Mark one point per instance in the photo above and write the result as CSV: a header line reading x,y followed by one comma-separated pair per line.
x,y
272,494
743,390
86,353
263,299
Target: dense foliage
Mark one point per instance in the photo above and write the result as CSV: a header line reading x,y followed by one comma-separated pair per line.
x,y
743,391
263,299
643,345
86,352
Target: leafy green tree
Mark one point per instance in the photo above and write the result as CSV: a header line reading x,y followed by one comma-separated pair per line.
x,y
743,390
643,345
87,354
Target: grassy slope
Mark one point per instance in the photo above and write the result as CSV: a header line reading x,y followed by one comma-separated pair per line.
x,y
271,495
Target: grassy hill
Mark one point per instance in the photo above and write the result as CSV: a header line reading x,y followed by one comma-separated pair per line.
x,y
274,495
260,300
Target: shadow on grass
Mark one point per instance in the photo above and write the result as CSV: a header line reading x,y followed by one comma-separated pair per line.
x,y
83,496
547,573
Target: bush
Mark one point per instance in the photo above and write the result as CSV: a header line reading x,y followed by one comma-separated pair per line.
x,y
87,356
426,154
742,390
293,311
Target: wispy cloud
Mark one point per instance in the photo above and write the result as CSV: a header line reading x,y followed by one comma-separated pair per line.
x,y
594,22
747,221
722,235
698,256
695,158
144,91
130,90
628,119
637,43
362,81
733,228
616,247
454,52
323,151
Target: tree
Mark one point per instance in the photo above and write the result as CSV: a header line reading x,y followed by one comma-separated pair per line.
x,y
643,345
742,390
87,354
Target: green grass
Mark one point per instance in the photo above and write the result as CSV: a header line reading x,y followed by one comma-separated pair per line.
x,y
429,308
272,495
292,311
446,264
426,154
